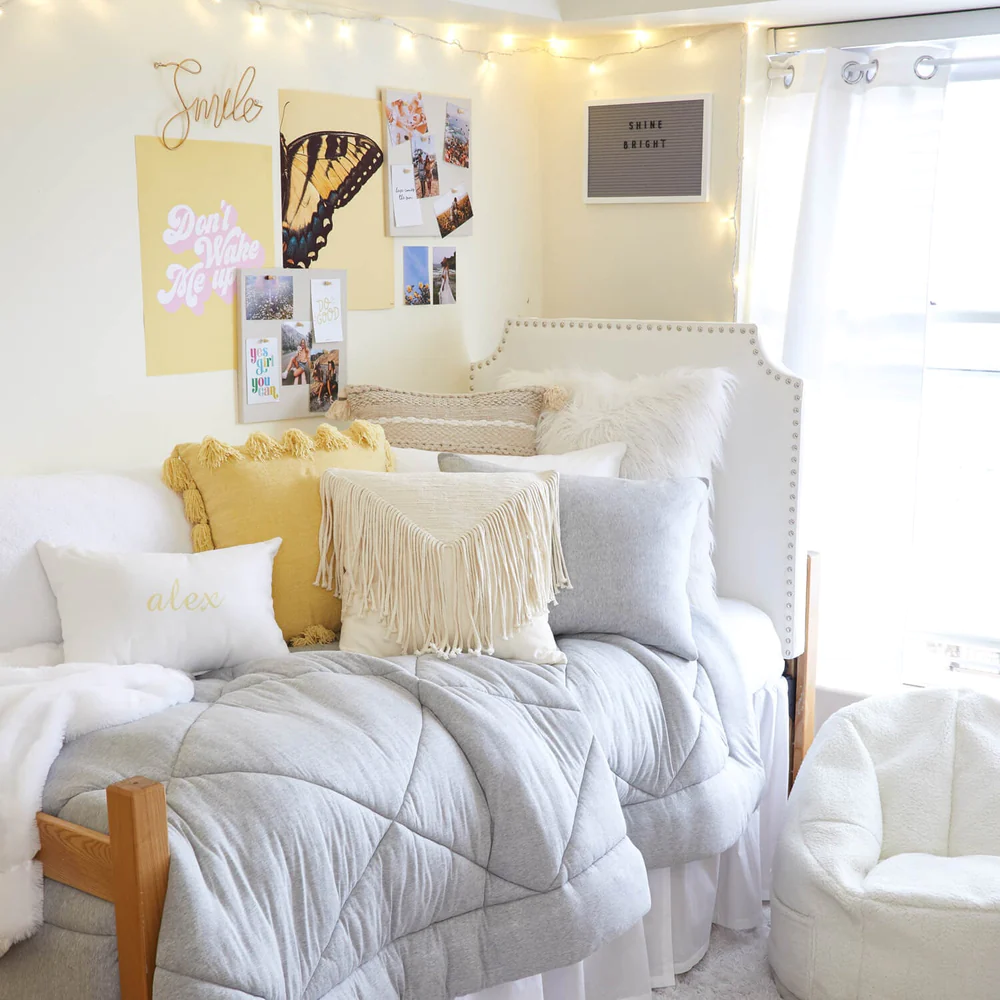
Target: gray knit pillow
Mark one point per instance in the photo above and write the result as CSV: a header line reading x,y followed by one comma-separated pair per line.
x,y
627,546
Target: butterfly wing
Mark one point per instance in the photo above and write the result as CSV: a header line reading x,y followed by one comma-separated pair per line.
x,y
320,172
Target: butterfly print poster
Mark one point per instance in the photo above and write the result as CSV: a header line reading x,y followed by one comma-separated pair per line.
x,y
332,199
205,211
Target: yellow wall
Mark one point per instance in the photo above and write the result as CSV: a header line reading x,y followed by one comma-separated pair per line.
x,y
78,85
642,261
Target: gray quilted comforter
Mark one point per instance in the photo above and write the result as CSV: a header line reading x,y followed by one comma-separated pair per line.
x,y
346,828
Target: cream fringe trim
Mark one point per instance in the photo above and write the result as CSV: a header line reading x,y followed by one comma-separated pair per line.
x,y
442,597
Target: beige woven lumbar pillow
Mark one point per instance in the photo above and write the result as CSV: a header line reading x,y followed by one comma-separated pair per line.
x,y
427,563
480,423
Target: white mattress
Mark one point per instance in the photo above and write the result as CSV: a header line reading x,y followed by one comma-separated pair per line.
x,y
755,642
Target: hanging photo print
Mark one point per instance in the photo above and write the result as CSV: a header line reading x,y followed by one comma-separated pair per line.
x,y
269,297
296,353
324,387
453,210
262,370
425,166
444,280
416,280
332,214
328,323
457,133
405,115
204,213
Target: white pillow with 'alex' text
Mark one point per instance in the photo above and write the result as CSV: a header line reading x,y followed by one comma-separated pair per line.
x,y
189,612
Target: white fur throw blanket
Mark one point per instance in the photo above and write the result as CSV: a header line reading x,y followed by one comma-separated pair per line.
x,y
40,709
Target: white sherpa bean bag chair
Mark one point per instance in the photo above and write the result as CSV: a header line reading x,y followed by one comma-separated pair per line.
x,y
887,872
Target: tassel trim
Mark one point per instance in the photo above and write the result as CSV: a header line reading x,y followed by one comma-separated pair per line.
x,y
297,444
177,477
261,448
366,434
330,439
555,398
215,453
442,597
340,410
313,635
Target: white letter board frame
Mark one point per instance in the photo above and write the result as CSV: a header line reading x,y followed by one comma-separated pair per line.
x,y
293,400
706,160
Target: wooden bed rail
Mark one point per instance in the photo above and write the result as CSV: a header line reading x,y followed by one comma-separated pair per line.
x,y
802,671
128,868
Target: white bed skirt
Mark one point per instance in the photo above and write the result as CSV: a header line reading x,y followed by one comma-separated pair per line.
x,y
726,889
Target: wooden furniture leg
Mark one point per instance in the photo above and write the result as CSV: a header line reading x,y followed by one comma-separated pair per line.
x,y
128,868
802,670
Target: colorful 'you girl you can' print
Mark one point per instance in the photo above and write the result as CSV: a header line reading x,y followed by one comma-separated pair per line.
x,y
204,213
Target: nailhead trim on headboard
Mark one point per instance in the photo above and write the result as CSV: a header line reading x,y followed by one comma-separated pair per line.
x,y
747,334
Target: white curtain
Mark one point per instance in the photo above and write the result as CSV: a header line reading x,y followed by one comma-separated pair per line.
x,y
838,286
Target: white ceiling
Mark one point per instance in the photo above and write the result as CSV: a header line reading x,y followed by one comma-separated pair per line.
x,y
593,16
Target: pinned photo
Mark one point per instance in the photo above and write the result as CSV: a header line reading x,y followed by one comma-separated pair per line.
x,y
457,131
269,296
453,210
444,280
296,350
416,279
404,115
425,167
324,385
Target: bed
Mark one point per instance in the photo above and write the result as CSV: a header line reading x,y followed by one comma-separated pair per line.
x,y
684,878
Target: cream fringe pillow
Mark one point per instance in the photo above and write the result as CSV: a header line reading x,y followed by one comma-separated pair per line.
x,y
445,564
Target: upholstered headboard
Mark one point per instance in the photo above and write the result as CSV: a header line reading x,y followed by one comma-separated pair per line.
x,y
757,555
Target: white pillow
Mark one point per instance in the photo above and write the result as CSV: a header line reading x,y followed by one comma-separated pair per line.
x,y
532,643
432,563
673,423
602,460
189,612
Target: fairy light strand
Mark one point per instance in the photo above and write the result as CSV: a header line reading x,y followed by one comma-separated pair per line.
x,y
554,48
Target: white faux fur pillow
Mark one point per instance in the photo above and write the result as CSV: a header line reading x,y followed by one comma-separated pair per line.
x,y
674,425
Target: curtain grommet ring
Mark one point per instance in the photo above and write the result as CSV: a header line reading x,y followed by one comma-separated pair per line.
x,y
925,68
852,72
789,78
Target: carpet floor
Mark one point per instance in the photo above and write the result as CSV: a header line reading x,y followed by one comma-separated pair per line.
x,y
735,966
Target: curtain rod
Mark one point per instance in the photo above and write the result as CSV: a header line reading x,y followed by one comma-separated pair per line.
x,y
871,32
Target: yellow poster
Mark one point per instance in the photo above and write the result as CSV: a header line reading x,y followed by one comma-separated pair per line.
x,y
333,194
205,210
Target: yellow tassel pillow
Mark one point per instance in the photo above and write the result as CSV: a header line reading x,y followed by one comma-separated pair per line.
x,y
267,488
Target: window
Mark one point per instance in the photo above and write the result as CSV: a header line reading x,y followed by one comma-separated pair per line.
x,y
954,620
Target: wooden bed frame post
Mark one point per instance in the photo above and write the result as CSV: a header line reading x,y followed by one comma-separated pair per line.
x,y
140,858
128,868
802,671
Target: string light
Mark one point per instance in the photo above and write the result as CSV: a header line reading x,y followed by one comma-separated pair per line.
x,y
556,48
596,68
